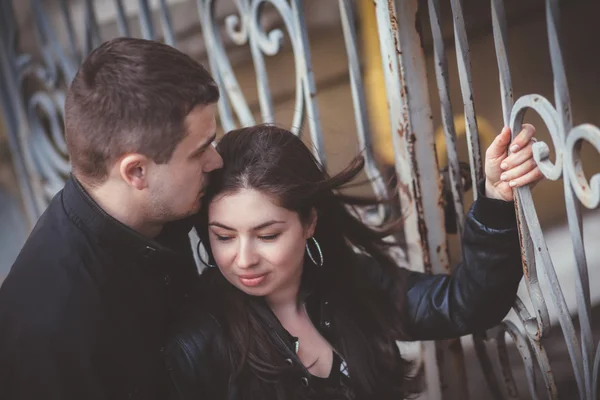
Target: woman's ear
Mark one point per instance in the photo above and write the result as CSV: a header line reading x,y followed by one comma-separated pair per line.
x,y
311,223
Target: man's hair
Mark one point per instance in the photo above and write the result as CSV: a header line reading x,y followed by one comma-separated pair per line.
x,y
131,96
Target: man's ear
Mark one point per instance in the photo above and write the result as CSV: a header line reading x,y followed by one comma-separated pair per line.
x,y
312,223
133,169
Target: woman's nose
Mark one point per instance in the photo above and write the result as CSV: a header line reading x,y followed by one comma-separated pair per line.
x,y
247,256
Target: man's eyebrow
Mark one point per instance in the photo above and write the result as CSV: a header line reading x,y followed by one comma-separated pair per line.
x,y
205,145
256,228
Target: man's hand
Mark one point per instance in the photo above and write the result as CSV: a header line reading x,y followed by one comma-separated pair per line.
x,y
504,172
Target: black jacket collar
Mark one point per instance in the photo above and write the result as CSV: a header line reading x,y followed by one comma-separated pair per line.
x,y
111,234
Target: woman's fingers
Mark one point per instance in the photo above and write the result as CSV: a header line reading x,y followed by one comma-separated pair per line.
x,y
497,150
518,171
523,138
531,177
517,158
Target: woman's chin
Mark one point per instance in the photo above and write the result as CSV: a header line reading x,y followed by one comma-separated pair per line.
x,y
258,291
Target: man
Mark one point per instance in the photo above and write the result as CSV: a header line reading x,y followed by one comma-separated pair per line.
x,y
84,310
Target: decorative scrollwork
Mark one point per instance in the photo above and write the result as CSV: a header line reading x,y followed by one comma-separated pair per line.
x,y
587,192
552,171
541,151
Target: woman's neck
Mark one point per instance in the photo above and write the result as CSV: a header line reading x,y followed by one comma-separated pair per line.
x,y
284,302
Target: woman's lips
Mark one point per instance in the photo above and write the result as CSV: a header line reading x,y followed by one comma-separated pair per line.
x,y
252,280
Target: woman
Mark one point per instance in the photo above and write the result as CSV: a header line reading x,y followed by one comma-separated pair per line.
x,y
302,301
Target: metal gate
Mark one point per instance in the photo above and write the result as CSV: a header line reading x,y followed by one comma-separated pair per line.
x,y
32,96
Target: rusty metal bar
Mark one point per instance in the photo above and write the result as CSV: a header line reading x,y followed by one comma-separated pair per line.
x,y
466,86
542,319
416,166
545,109
441,72
521,341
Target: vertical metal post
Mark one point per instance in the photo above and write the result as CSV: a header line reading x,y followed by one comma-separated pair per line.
x,y
420,188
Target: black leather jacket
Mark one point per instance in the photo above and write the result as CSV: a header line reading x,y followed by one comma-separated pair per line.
x,y
475,297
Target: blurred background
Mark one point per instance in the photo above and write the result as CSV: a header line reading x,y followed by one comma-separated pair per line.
x,y
528,54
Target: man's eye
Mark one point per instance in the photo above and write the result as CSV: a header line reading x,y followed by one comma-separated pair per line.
x,y
199,153
268,238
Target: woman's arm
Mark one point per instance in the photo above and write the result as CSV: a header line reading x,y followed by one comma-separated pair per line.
x,y
482,288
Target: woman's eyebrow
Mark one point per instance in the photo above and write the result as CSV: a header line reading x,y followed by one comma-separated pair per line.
x,y
268,223
220,225
256,228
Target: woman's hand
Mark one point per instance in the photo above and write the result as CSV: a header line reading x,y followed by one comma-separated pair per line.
x,y
505,172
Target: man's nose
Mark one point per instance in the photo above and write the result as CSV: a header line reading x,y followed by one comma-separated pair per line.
x,y
215,162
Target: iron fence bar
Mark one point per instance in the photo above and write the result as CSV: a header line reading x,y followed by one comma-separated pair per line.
x,y
416,167
466,85
542,321
596,370
536,327
538,348
563,108
66,13
524,349
167,26
443,84
122,22
500,38
9,99
309,88
145,18
545,109
360,107
49,45
222,72
270,44
92,32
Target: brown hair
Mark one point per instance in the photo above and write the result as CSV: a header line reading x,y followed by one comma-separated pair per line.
x,y
131,95
276,162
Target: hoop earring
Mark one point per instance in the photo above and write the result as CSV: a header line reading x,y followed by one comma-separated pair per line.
x,y
200,257
312,258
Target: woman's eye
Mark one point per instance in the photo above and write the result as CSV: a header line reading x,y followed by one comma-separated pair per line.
x,y
269,237
223,238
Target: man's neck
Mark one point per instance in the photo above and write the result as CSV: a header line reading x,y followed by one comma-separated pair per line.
x,y
120,207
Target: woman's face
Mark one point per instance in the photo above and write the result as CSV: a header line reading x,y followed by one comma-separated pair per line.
x,y
258,245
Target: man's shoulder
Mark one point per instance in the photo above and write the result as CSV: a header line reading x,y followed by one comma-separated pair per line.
x,y
48,280
55,239
45,301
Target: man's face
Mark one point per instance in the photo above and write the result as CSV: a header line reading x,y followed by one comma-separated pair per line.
x,y
178,186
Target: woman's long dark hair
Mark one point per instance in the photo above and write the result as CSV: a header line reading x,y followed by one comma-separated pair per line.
x,y
274,161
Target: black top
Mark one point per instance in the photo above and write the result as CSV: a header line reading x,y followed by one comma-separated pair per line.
x,y
338,377
85,307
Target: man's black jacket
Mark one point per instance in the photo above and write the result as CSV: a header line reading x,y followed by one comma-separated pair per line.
x,y
84,309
